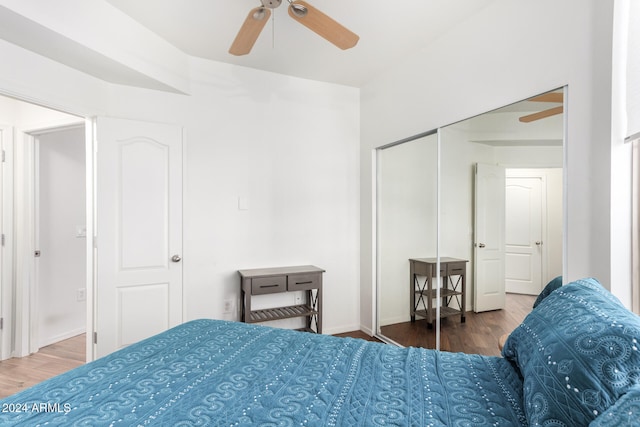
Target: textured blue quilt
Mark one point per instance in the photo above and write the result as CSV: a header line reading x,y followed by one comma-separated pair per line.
x,y
218,373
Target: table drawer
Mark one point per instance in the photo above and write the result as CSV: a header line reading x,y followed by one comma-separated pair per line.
x,y
456,268
427,269
303,282
268,285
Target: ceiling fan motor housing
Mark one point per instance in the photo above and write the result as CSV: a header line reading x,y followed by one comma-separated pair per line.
x,y
271,4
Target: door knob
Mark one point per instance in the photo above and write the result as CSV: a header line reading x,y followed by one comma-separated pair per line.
x,y
481,245
538,243
176,258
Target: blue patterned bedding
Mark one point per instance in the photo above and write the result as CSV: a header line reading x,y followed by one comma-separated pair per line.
x,y
218,373
579,354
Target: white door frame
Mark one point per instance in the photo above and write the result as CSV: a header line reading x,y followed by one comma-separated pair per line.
x,y
90,165
24,241
6,252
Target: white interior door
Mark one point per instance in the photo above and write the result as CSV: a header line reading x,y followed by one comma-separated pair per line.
x,y
523,235
489,230
138,231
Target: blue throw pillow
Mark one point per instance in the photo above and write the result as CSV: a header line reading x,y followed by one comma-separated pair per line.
x,y
578,353
551,286
625,412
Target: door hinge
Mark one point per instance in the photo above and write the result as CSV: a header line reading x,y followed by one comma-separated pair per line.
x,y
95,338
4,156
2,239
1,322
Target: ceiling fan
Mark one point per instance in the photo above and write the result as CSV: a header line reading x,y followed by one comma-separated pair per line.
x,y
302,12
554,97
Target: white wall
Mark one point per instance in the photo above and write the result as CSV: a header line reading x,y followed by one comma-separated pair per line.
x,y
538,157
61,267
26,116
289,148
501,55
458,157
39,80
407,200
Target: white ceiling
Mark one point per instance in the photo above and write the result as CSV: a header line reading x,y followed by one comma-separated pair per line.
x,y
388,32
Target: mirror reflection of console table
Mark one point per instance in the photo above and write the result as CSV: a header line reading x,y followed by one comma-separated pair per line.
x,y
423,272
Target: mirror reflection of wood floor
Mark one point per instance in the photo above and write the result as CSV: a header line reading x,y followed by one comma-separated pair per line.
x,y
479,334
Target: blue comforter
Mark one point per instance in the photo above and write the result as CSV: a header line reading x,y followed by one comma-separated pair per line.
x,y
218,373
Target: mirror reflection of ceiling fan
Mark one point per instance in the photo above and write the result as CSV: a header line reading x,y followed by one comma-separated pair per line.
x,y
552,97
302,12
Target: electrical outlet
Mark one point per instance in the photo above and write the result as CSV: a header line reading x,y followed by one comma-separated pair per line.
x,y
81,294
228,306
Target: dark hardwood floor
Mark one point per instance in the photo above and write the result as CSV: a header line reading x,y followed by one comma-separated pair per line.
x,y
479,334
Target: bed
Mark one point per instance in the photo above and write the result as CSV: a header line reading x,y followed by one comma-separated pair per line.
x,y
220,373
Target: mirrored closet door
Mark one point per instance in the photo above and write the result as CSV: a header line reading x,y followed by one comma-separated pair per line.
x,y
406,235
490,190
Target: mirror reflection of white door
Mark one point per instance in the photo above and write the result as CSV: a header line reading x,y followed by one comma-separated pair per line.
x,y
523,235
138,231
489,232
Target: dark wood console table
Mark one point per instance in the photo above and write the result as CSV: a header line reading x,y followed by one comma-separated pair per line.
x,y
422,292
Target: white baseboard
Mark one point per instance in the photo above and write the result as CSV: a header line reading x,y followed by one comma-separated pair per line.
x,y
340,329
367,331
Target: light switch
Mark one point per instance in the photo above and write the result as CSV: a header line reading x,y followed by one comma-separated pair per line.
x,y
243,203
81,231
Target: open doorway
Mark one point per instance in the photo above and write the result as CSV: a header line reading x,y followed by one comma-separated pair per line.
x,y
44,171
60,234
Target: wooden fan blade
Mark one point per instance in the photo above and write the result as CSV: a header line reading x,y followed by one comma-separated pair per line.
x,y
541,114
548,97
323,25
250,30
